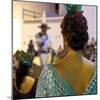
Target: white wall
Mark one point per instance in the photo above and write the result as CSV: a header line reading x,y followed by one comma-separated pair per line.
x,y
20,32
28,30
90,13
17,26
38,7
61,9
31,29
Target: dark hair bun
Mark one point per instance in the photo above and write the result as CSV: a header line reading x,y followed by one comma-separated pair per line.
x,y
74,28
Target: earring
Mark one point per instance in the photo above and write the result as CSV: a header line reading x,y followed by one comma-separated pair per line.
x,y
64,50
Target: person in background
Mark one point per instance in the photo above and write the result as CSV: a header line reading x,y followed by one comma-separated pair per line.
x,y
93,41
93,50
86,52
53,55
73,74
15,62
44,43
31,49
24,84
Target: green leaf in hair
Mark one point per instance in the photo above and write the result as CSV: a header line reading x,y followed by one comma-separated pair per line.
x,y
70,8
24,56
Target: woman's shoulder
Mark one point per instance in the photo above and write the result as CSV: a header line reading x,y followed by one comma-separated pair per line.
x,y
89,69
29,78
92,86
88,64
27,85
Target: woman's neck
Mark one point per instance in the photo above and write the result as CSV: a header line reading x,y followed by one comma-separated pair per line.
x,y
71,63
71,56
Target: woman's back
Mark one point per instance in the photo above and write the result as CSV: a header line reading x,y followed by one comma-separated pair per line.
x,y
52,84
77,73
74,76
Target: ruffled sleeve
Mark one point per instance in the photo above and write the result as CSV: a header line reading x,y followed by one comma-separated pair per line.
x,y
46,84
50,84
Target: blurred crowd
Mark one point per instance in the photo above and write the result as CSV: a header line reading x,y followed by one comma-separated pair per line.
x,y
23,64
90,52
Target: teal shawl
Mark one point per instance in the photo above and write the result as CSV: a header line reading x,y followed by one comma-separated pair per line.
x,y
52,84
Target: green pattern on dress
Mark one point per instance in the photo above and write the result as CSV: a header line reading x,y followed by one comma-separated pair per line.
x,y
52,84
